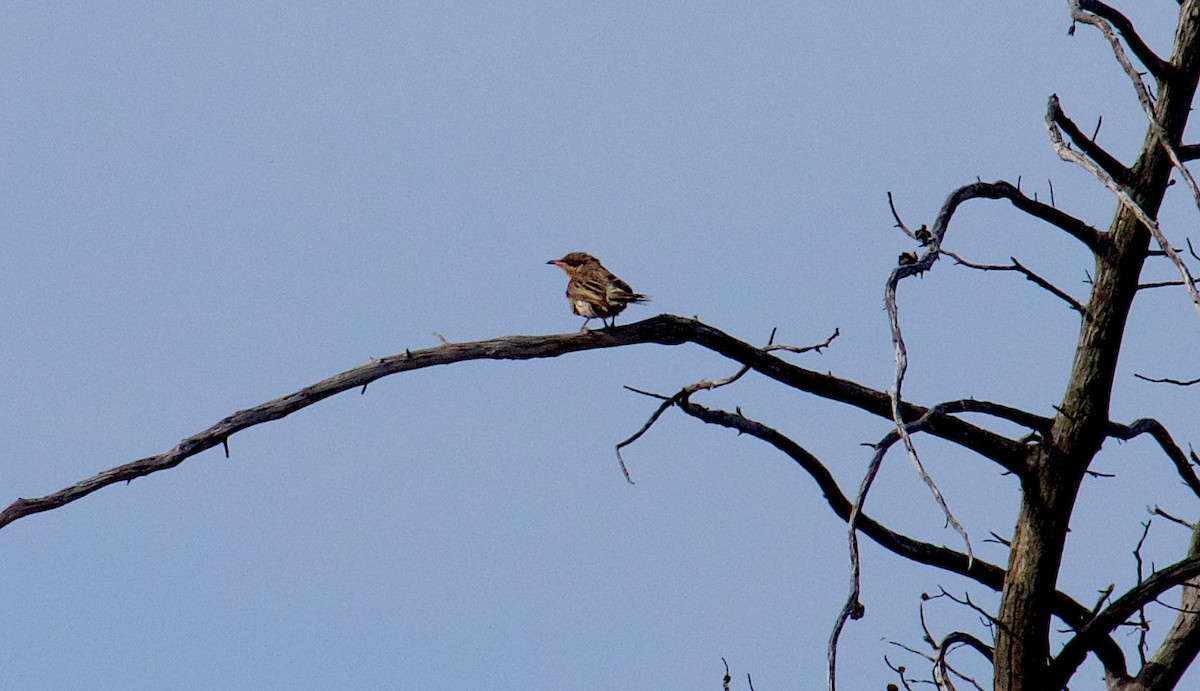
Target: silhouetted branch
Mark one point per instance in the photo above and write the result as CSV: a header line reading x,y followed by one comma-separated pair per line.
x,y
1166,380
895,394
1188,152
1117,170
1177,650
1073,653
1156,65
1123,194
1064,607
1089,236
705,385
959,638
853,607
1160,434
1181,643
899,670
1163,284
1157,511
664,329
1098,20
1029,275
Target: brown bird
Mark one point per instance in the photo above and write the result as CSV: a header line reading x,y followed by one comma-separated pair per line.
x,y
593,291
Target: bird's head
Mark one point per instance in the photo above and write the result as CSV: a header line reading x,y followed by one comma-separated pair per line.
x,y
573,261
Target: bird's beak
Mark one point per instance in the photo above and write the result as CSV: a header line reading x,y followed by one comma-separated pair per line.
x,y
556,262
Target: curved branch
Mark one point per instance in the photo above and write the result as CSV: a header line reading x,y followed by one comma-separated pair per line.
x,y
1155,429
664,329
1064,607
1089,236
901,354
963,638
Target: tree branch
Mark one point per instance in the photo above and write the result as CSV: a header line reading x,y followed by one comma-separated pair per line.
x,y
1029,275
960,637
1143,94
1117,170
1089,236
664,329
1157,66
1071,612
1072,654
1188,152
1124,195
1182,642
1168,380
1155,429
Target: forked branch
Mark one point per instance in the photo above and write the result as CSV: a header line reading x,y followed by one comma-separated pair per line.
x,y
1115,169
1073,653
1157,66
664,329
1124,195
1064,607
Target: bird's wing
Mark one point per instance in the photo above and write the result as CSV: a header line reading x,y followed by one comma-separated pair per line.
x,y
591,289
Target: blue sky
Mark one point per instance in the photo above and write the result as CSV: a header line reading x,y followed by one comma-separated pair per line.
x,y
209,207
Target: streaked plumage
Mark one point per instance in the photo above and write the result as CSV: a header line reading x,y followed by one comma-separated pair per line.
x,y
593,291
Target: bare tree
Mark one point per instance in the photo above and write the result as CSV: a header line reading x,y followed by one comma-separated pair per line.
x,y
1050,461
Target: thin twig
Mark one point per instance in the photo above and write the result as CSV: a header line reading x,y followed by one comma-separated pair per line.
x,y
1163,284
804,349
703,385
1157,511
900,670
896,215
1167,380
1029,275
1144,626
901,356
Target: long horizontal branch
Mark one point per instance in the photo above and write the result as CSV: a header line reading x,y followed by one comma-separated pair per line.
x,y
1071,612
664,329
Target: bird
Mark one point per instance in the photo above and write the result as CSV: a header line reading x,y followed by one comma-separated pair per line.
x,y
593,291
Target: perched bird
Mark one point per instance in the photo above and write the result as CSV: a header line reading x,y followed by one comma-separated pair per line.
x,y
593,291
